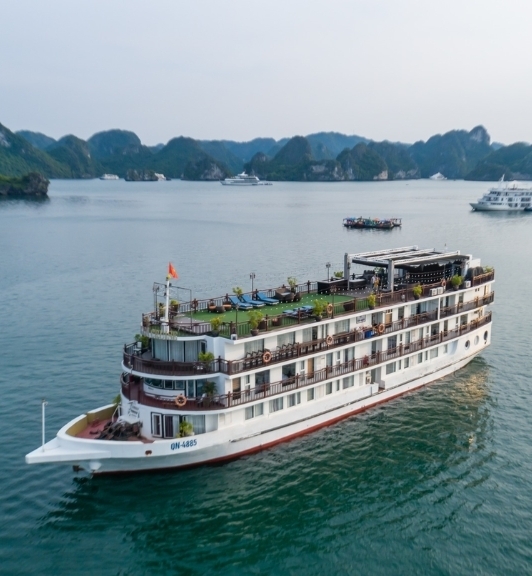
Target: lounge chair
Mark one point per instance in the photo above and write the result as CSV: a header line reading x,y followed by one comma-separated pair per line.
x,y
241,305
266,299
255,303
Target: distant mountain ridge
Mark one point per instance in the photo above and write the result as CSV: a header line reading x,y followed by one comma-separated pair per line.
x,y
322,156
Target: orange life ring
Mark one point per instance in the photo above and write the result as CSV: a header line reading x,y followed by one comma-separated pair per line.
x,y
329,308
381,328
267,357
329,340
180,401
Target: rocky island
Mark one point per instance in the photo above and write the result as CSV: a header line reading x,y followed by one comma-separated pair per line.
x,y
29,186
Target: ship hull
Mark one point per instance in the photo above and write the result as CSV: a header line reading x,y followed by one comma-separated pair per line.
x,y
487,208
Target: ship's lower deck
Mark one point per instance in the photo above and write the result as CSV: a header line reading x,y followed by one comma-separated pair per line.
x,y
231,441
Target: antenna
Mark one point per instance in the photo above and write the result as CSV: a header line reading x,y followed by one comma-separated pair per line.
x,y
43,408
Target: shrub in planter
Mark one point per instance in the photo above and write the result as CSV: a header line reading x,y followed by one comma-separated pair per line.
x,y
215,325
456,281
255,318
372,301
186,429
417,290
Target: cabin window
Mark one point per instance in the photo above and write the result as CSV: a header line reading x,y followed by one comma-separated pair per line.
x,y
198,423
434,353
420,358
341,326
293,399
390,368
276,404
154,382
169,427
407,363
328,388
310,394
284,339
254,346
347,382
289,371
262,378
156,427
307,335
254,411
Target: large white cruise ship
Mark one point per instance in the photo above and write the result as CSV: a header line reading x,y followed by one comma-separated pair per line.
x,y
210,380
244,179
510,196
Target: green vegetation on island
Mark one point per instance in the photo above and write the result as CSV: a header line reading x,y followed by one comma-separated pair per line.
x,y
29,185
323,156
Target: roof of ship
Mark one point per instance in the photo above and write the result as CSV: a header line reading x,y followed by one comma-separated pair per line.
x,y
406,256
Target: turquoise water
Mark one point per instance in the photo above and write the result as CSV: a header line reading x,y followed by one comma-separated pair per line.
x,y
437,482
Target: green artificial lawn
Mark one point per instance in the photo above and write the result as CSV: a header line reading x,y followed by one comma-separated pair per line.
x,y
275,310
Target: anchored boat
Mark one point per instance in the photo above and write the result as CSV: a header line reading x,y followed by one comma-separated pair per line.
x,y
374,223
208,382
508,196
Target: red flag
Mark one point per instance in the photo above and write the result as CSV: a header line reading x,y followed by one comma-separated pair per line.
x,y
171,271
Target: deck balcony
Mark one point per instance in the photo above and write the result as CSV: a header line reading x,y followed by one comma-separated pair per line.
x,y
133,390
145,364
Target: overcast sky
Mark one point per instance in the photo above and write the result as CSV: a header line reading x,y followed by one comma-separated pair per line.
x,y
400,70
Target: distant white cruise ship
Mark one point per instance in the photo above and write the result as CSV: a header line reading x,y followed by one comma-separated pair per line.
x,y
244,180
109,177
437,176
510,196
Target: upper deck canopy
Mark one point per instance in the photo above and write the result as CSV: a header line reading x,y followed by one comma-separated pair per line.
x,y
405,258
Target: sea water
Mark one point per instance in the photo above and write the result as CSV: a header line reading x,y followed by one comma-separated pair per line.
x,y
436,482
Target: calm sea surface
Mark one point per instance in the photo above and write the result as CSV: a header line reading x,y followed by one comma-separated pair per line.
x,y
437,482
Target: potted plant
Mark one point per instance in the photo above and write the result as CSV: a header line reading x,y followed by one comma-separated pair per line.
x,y
144,341
319,307
417,290
339,275
292,282
206,358
255,317
186,429
456,281
174,306
372,301
209,388
237,291
216,322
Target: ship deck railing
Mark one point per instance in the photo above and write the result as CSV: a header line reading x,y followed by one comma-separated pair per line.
x,y
142,361
193,318
132,388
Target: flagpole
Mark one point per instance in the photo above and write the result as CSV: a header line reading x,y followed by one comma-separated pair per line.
x,y
165,326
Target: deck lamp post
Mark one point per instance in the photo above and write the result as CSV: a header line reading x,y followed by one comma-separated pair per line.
x,y
252,277
328,266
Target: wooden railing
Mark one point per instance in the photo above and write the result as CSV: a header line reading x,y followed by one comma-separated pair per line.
x,y
231,367
243,329
133,389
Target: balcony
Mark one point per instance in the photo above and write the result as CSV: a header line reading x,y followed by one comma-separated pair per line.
x,y
133,390
290,351
194,317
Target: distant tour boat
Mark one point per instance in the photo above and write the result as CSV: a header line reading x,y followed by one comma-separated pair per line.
x,y
109,177
160,176
244,179
512,196
375,223
437,176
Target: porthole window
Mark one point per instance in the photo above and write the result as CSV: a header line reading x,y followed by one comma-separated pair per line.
x,y
486,336
467,344
476,340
